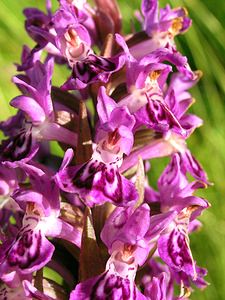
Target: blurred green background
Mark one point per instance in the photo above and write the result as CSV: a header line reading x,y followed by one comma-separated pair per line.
x,y
204,44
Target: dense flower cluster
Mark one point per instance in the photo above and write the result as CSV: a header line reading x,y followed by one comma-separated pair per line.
x,y
93,217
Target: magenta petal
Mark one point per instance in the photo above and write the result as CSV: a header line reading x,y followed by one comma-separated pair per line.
x,y
55,132
127,139
105,105
174,249
115,222
68,156
24,87
156,115
28,253
158,148
44,190
96,183
173,179
63,230
189,122
121,116
106,286
24,196
127,226
21,147
193,167
150,12
159,223
136,226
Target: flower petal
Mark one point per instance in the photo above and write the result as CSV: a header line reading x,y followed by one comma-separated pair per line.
x,y
28,253
30,107
96,182
174,249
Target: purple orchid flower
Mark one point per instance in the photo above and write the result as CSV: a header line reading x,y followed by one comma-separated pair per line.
x,y
179,125
99,179
30,250
160,27
128,234
123,234
170,21
146,80
74,44
43,28
39,123
187,281
176,194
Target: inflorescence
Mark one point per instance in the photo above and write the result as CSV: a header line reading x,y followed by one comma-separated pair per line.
x,y
92,217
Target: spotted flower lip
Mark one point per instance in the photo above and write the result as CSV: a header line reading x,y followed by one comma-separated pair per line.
x,y
107,285
93,69
174,248
96,182
19,147
29,250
